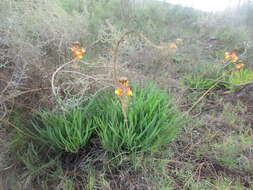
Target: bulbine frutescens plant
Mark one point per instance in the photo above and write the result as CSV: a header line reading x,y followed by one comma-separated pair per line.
x,y
138,120
237,75
151,121
233,71
67,131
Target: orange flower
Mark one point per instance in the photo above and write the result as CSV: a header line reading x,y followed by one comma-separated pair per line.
x,y
123,81
119,92
77,51
239,66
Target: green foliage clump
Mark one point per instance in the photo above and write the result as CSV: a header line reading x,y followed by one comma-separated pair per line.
x,y
199,82
203,76
205,80
237,78
68,131
151,121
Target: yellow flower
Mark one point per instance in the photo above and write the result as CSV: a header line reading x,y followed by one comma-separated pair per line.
x,y
129,92
239,66
119,91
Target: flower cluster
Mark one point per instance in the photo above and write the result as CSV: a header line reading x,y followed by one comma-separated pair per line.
x,y
77,50
232,56
123,89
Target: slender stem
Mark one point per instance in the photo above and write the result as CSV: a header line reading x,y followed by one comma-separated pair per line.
x,y
115,56
53,79
206,92
54,74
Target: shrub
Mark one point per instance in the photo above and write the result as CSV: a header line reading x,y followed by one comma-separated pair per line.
x,y
151,121
237,78
68,131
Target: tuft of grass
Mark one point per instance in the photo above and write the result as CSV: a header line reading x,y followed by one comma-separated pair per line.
x,y
38,165
233,152
225,183
204,75
66,184
237,78
68,131
199,82
151,121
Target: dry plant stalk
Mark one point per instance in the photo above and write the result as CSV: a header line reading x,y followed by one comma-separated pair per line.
x,y
167,46
123,90
121,83
78,53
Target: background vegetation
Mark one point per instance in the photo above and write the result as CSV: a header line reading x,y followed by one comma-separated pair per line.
x,y
213,147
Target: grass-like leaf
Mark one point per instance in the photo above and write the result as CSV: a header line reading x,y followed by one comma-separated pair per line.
x,y
151,121
68,131
237,78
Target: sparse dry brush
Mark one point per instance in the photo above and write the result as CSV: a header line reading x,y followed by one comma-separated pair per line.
x,y
34,37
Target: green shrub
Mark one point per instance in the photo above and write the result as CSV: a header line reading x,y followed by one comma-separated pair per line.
x,y
238,77
151,121
68,131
